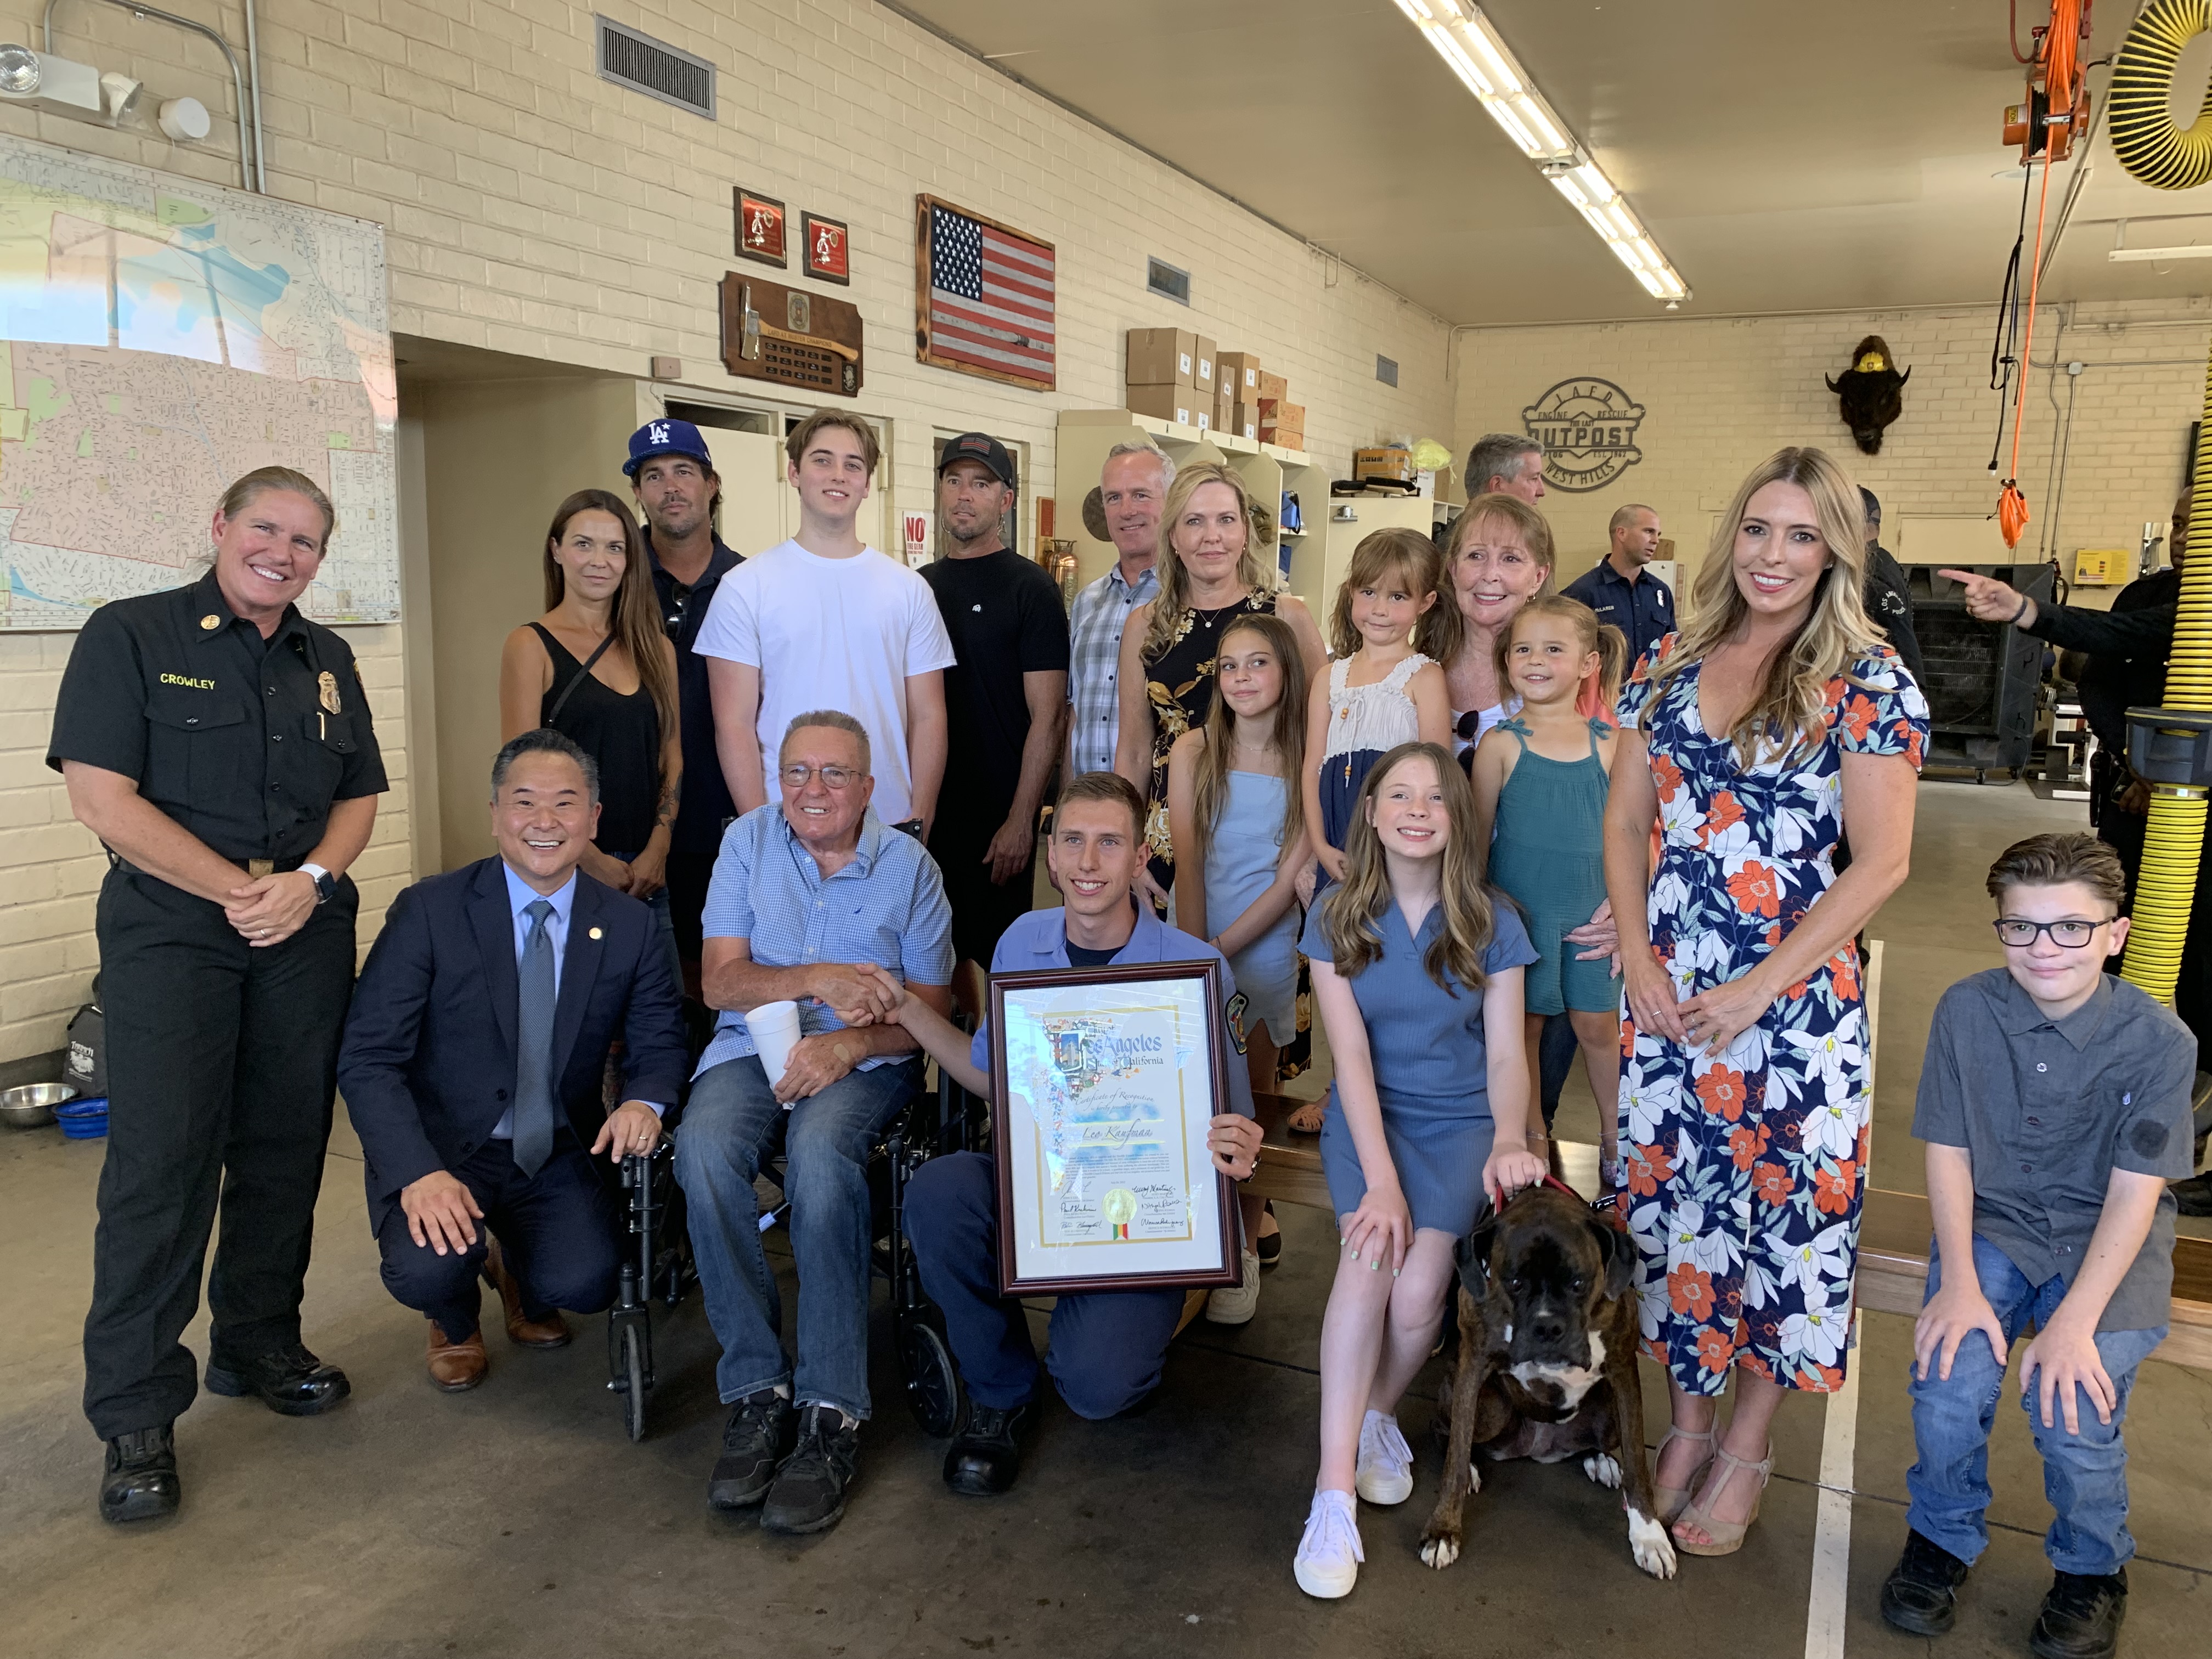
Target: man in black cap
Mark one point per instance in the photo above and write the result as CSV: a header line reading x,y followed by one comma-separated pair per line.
x,y
1005,696
678,492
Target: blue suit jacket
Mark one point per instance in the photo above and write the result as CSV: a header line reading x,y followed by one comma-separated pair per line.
x,y
427,1065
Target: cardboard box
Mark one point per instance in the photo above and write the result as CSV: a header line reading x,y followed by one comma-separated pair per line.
x,y
1166,403
1239,374
1384,464
1275,411
1274,386
1286,437
1163,356
1224,407
1244,420
1202,417
1202,366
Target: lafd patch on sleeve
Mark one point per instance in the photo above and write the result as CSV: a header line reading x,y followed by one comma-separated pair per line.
x,y
1233,1012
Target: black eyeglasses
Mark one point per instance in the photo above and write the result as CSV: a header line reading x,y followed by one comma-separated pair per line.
x,y
2071,934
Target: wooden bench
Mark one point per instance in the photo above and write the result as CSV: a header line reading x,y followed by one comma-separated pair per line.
x,y
1894,1232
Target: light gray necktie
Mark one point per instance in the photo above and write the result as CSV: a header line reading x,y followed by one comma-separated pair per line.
x,y
533,1046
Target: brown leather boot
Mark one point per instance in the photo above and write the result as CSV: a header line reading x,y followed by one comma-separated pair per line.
x,y
457,1367
521,1330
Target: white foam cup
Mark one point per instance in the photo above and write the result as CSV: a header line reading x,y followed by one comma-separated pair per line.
x,y
774,1026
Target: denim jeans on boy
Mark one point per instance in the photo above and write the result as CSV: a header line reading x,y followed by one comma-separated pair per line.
x,y
2085,1475
731,1122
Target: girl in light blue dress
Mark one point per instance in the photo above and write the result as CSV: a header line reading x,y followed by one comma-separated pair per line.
x,y
1237,817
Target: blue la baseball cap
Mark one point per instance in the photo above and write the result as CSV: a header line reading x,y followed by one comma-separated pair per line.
x,y
668,437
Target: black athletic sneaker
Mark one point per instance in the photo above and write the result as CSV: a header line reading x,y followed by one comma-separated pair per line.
x,y
756,1439
809,1492
140,1481
986,1456
2080,1617
1921,1594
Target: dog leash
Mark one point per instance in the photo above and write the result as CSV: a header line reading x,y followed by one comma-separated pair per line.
x,y
1607,1209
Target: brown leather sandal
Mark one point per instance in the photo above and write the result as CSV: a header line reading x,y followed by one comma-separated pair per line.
x,y
1308,1118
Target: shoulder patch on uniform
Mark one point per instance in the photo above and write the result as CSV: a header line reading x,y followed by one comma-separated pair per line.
x,y
357,679
1232,1011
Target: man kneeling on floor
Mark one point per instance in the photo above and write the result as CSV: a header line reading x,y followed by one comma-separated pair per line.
x,y
804,891
1107,1346
474,1062
2055,1103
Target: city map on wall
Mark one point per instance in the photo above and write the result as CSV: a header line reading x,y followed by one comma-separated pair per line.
x,y
159,337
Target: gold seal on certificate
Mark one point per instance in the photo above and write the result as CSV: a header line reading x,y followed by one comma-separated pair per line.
x,y
1106,1081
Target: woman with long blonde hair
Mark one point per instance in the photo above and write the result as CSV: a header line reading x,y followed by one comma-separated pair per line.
x,y
1750,738
1211,572
1418,970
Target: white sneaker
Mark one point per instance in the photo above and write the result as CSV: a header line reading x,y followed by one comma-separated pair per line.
x,y
1386,1461
1330,1554
1235,1304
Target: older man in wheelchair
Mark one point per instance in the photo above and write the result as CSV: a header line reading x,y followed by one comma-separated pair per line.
x,y
805,891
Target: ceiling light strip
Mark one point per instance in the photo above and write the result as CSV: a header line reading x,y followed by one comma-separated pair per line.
x,y
1464,39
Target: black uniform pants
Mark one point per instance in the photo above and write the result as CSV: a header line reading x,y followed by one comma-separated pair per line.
x,y
221,1069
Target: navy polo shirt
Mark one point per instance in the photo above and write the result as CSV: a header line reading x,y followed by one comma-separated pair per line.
x,y
1644,609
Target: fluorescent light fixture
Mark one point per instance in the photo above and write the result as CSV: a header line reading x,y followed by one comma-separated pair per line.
x,y
2124,255
1464,38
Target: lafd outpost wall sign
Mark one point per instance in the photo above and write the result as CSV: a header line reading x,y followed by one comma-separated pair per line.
x,y
1588,428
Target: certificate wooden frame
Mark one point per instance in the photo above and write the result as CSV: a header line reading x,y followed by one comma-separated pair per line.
x,y
1044,1252
763,227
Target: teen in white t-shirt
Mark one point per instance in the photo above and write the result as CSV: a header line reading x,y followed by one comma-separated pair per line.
x,y
825,622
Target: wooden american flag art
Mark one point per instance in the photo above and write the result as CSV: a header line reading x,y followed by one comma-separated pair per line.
x,y
983,296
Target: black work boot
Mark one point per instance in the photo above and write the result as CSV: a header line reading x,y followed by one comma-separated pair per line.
x,y
756,1439
2080,1617
985,1458
288,1379
140,1483
809,1492
1921,1594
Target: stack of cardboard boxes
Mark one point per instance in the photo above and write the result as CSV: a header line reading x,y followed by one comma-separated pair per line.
x,y
1176,375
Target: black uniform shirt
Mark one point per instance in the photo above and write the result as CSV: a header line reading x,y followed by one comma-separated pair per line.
x,y
705,804
1888,598
244,743
1643,609
1005,618
2128,647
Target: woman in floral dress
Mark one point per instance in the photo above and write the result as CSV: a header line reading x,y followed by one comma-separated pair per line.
x,y
1752,739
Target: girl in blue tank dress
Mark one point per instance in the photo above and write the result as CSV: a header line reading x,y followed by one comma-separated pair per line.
x,y
1237,817
1539,781
1418,971
1379,691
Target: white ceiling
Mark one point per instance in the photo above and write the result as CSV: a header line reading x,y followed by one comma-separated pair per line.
x,y
1786,155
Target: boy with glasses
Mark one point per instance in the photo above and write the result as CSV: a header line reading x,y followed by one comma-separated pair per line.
x,y
2054,1101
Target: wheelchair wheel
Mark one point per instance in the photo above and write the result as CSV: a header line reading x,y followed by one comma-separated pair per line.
x,y
932,1386
633,1362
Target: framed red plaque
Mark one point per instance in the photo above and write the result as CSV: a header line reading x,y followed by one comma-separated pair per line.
x,y
762,226
828,248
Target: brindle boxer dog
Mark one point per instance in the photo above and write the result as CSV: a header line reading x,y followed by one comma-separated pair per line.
x,y
1546,1369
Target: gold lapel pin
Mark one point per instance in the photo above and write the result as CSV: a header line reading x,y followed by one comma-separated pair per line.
x,y
595,932
210,623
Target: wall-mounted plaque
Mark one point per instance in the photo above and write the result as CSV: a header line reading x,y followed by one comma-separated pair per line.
x,y
762,226
790,336
828,248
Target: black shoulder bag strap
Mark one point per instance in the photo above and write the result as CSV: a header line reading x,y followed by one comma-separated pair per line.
x,y
553,715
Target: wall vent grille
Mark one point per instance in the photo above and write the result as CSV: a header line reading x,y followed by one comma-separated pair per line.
x,y
1386,370
656,69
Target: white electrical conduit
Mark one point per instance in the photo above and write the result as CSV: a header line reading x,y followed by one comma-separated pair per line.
x,y
252,174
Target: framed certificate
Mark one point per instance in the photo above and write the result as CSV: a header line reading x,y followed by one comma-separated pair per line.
x,y
1104,1083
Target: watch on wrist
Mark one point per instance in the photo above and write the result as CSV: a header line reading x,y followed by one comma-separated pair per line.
x,y
326,884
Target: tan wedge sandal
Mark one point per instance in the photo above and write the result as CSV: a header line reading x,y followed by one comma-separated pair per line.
x,y
1672,1500
1727,1535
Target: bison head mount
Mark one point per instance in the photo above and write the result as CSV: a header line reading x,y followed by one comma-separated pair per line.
x,y
1869,393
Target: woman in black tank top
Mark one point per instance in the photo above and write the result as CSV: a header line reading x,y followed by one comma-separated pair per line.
x,y
601,632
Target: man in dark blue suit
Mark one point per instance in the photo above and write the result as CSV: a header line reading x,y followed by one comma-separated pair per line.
x,y
473,1063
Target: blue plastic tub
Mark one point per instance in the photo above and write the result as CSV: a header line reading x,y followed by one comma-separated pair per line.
x,y
83,1120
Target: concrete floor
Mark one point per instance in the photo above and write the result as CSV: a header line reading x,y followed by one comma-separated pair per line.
x,y
517,1520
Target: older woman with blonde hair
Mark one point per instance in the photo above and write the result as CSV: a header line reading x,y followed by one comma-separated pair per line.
x,y
1751,738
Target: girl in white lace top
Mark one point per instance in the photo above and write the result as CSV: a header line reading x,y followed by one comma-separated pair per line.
x,y
1378,692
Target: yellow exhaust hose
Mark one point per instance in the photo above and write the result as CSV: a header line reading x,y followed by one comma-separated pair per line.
x,y
2156,151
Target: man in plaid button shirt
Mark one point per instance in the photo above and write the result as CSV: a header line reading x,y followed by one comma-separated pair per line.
x,y
1133,486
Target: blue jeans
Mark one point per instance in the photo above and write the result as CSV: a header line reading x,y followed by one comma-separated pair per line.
x,y
2085,1475
731,1123
1107,1346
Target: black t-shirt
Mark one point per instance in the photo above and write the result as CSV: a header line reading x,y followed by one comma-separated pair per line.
x,y
1081,957
1005,619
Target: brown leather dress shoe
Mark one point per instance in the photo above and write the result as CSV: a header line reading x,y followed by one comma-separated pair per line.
x,y
521,1330
457,1367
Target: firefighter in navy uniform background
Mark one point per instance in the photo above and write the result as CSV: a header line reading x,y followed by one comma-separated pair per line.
x,y
219,744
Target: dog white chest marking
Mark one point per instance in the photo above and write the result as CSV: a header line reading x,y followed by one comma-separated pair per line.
x,y
1648,1543
1572,1381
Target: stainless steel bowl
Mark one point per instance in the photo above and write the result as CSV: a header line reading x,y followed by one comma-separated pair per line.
x,y
29,1105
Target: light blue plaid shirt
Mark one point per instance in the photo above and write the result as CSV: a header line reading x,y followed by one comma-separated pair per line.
x,y
1094,634
887,906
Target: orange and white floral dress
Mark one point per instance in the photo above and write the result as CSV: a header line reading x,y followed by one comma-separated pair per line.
x,y
1746,1172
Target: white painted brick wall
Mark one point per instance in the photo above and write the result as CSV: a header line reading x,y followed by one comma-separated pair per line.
x,y
532,208
1722,393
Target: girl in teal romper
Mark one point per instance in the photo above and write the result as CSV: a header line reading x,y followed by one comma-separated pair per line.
x,y
1540,787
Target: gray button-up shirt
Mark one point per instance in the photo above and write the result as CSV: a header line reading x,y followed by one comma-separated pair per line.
x,y
2048,1109
1094,630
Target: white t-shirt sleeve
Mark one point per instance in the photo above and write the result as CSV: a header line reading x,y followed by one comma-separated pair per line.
x,y
730,629
928,645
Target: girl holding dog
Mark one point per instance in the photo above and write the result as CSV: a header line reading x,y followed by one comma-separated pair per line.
x,y
1418,971
1751,739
